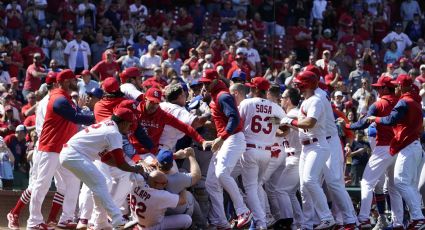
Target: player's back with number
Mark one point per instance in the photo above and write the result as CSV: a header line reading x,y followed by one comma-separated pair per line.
x,y
97,139
313,107
257,114
147,204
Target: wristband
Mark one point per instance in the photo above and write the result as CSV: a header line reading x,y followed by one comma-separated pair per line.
x,y
294,123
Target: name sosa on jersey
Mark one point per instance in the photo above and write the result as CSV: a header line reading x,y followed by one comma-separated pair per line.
x,y
263,109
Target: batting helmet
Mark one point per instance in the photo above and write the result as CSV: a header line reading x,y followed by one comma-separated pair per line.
x,y
306,80
128,73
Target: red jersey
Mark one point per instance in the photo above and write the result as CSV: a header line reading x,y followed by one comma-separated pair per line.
x,y
60,121
325,44
103,109
154,126
105,69
351,42
29,121
28,54
184,21
13,68
304,43
33,83
217,112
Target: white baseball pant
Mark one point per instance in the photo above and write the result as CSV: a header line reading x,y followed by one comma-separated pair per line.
x,y
88,173
406,177
218,177
271,180
312,164
421,185
380,162
173,222
289,183
334,177
85,203
254,164
48,166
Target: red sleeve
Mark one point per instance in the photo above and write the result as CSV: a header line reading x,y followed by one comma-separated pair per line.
x,y
97,67
187,129
8,139
116,154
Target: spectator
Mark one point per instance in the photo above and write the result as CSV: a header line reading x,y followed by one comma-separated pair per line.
x,y
7,161
129,60
98,48
319,7
154,38
29,51
35,72
53,66
353,42
224,62
4,76
363,97
333,77
399,37
150,61
106,68
325,43
197,10
359,153
57,47
174,62
138,11
357,75
408,10
338,100
325,62
240,63
184,23
392,54
415,29
418,50
85,83
302,40
156,80
77,54
403,68
114,15
17,144
227,16
14,20
29,109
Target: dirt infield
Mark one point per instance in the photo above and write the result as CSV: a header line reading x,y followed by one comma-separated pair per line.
x,y
8,200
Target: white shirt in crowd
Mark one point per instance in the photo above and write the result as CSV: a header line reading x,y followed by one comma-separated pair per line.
x,y
318,7
141,10
401,39
148,61
252,56
72,49
5,77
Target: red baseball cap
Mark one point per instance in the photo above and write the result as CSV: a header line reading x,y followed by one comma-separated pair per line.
x,y
65,74
124,114
154,94
403,80
259,82
384,81
208,76
110,85
85,72
128,73
129,104
51,78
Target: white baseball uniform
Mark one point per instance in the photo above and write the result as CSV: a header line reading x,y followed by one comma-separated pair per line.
x,y
130,91
314,154
171,135
148,206
289,181
78,155
334,171
259,134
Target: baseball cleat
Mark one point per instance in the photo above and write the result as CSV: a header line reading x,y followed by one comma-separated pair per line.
x,y
350,227
130,224
13,221
417,225
67,224
326,224
41,226
365,225
82,224
381,224
244,219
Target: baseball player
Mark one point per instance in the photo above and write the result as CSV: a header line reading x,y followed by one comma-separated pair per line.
x,y
381,161
227,148
149,201
131,81
153,119
60,124
405,143
315,150
259,131
101,141
13,215
175,97
334,170
288,181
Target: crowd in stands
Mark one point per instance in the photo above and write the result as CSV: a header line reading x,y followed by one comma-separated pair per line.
x,y
352,41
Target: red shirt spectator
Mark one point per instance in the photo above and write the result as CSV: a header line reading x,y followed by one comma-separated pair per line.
x,y
258,26
29,51
16,63
351,41
31,102
184,23
302,35
241,64
325,43
106,68
34,74
14,20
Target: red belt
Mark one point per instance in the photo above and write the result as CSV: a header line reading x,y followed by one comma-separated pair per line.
x,y
308,142
258,147
290,154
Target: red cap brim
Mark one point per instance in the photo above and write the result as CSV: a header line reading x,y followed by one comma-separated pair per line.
x,y
153,99
204,80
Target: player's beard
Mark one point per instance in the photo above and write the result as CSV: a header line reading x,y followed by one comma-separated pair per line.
x,y
73,86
